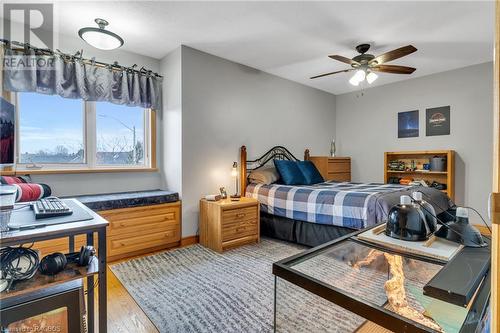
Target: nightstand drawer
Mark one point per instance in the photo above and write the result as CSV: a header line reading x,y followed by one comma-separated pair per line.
x,y
236,215
239,230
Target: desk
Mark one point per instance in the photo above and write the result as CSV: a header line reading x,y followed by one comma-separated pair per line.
x,y
89,227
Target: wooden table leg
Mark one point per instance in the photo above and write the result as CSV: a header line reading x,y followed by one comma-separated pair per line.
x,y
103,322
90,292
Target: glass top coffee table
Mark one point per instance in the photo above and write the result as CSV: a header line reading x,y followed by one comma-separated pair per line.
x,y
349,285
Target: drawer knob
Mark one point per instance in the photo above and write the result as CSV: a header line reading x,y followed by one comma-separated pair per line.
x,y
240,229
240,215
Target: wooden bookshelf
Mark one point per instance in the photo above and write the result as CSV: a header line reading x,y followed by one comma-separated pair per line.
x,y
420,157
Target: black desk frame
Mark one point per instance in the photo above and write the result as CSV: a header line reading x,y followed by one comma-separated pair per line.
x,y
70,230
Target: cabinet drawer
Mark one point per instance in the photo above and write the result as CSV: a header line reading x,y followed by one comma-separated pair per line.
x,y
237,215
141,224
136,212
141,219
239,230
61,245
123,244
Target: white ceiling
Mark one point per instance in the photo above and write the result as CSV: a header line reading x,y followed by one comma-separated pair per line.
x,y
293,39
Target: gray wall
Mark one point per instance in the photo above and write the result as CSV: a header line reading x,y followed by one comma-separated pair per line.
x,y
170,124
366,127
226,105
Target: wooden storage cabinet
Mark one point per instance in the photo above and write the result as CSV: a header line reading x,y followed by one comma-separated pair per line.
x,y
227,224
139,230
333,168
418,158
61,245
131,231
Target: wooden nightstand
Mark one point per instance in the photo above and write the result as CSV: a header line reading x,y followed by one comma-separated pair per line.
x,y
227,224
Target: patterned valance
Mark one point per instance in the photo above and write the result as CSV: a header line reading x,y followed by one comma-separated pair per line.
x,y
27,70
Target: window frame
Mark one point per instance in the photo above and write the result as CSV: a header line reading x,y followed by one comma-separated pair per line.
x,y
89,164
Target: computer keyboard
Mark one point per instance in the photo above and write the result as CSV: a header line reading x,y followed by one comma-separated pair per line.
x,y
50,207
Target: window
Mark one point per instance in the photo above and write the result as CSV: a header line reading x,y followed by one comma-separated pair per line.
x,y
59,133
120,134
50,129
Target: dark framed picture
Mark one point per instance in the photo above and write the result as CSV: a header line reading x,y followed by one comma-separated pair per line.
x,y
437,121
7,132
408,124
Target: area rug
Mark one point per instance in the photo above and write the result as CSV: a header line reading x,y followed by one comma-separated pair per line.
x,y
195,289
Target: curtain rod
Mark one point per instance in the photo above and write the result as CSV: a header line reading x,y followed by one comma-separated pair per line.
x,y
77,56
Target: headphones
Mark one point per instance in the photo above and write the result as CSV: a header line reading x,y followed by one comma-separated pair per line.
x,y
56,262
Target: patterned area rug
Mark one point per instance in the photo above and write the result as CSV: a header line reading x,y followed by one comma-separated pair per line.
x,y
195,289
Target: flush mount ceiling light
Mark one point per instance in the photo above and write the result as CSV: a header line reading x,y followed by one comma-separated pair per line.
x,y
99,37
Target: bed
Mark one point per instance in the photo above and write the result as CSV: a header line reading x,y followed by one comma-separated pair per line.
x,y
314,214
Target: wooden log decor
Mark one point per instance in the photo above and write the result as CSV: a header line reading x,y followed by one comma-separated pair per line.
x,y
243,170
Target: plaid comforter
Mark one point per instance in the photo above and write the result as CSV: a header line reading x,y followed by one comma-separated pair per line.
x,y
351,205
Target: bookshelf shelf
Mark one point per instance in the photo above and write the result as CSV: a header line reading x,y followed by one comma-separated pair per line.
x,y
419,158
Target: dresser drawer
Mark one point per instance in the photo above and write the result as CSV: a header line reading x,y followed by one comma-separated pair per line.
x,y
339,166
339,176
239,230
124,244
232,216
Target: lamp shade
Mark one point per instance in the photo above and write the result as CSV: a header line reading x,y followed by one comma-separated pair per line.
x,y
371,77
99,37
354,81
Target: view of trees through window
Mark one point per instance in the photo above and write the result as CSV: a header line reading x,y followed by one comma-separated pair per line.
x,y
120,134
51,130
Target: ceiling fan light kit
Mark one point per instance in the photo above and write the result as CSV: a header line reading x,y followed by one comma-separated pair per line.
x,y
366,64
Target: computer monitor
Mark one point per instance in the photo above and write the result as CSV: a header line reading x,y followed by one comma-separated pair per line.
x,y
7,133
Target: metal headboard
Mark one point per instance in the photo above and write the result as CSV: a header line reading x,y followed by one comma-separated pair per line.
x,y
275,153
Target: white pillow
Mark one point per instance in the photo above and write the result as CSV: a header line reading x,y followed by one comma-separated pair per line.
x,y
264,175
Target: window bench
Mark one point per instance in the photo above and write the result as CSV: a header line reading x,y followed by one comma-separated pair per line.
x,y
139,222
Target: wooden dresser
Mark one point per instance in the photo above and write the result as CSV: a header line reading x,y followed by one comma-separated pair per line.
x,y
131,231
227,224
333,168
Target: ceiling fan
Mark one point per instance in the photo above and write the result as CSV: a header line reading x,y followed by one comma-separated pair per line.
x,y
366,64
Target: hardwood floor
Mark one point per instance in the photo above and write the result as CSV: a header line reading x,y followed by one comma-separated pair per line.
x,y
124,315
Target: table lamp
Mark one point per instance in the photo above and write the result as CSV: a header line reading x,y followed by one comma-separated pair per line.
x,y
234,174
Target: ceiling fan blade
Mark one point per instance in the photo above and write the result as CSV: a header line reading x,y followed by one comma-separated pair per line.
x,y
394,54
343,59
394,69
321,75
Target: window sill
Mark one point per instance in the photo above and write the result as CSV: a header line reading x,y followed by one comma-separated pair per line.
x,y
20,172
